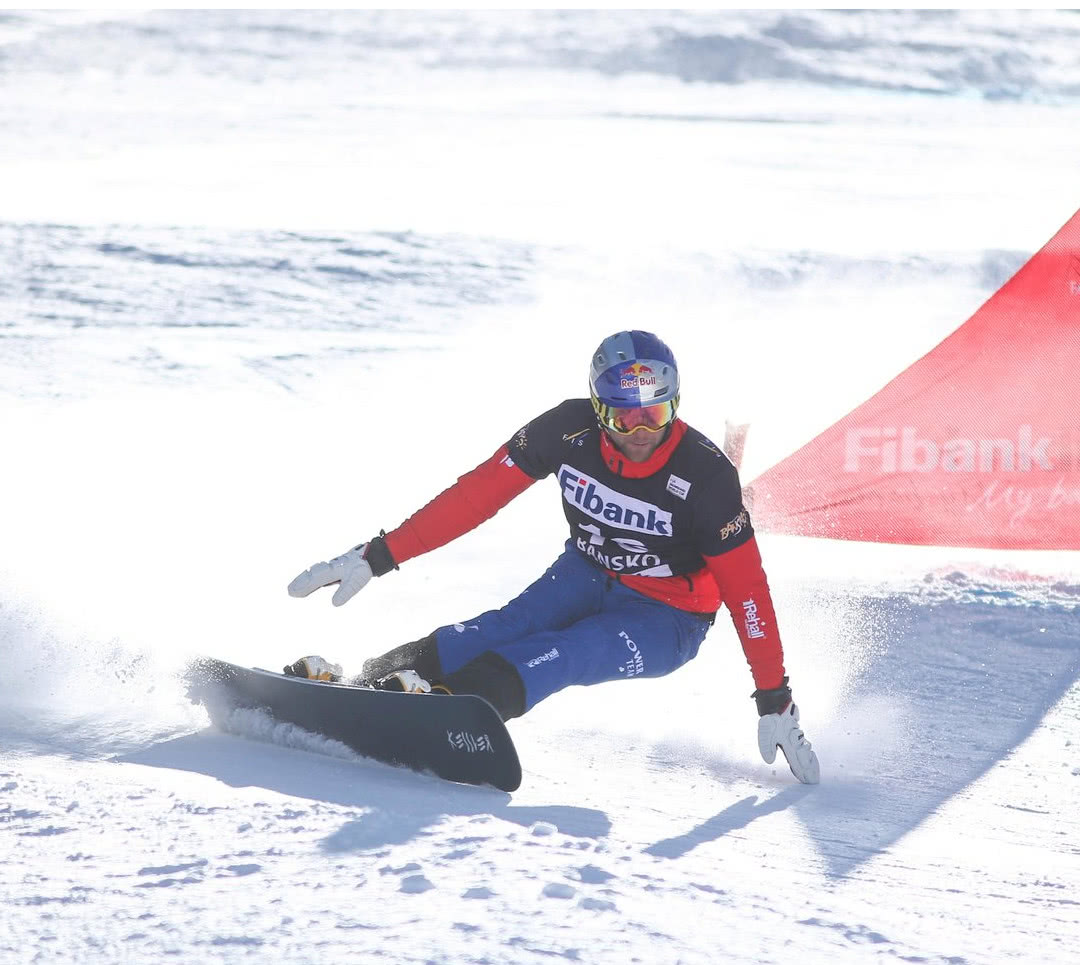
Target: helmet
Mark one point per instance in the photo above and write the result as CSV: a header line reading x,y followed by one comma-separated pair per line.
x,y
634,382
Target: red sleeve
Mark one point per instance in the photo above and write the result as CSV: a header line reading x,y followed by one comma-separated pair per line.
x,y
475,497
745,593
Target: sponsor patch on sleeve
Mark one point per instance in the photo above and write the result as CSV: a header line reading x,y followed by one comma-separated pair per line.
x,y
735,526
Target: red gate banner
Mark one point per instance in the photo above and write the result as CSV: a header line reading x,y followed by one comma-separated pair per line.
x,y
976,444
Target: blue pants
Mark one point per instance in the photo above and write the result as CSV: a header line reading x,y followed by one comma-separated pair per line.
x,y
576,625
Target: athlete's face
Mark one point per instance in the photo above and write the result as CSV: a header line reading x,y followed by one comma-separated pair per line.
x,y
636,446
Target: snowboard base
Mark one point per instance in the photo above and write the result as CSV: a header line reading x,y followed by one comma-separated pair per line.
x,y
459,738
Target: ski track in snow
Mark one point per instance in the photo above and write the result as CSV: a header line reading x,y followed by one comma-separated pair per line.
x,y
242,240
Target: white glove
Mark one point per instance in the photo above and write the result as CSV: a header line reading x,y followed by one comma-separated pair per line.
x,y
782,730
350,570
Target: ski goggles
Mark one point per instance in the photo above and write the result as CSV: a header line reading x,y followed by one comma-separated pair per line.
x,y
651,418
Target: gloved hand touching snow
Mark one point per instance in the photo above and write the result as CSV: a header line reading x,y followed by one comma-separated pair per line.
x,y
778,726
351,571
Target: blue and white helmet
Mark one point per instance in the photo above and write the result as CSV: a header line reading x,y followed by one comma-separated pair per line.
x,y
634,371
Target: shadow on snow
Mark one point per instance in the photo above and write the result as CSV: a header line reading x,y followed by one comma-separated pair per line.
x,y
399,806
955,687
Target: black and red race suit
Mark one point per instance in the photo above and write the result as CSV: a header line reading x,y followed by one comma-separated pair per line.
x,y
672,528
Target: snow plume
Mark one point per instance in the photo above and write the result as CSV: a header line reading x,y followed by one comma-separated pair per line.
x,y
246,722
80,696
911,689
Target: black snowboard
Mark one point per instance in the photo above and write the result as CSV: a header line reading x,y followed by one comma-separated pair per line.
x,y
460,738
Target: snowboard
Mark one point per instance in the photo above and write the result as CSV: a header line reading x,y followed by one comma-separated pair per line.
x,y
459,738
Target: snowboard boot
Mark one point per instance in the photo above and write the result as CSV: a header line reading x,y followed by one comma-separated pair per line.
x,y
314,668
413,666
420,655
410,682
495,679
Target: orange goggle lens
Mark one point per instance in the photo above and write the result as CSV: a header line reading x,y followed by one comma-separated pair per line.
x,y
651,418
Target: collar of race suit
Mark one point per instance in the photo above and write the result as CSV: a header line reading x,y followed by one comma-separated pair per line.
x,y
627,468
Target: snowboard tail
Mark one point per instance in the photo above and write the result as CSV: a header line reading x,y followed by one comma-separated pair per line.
x,y
457,737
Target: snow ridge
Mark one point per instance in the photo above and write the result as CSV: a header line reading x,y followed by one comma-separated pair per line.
x,y
996,55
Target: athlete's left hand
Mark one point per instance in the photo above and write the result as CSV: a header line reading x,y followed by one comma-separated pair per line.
x,y
782,730
779,727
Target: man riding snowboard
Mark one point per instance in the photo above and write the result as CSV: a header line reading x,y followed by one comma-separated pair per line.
x,y
659,538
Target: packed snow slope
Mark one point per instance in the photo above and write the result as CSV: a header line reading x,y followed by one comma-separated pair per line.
x,y
271,280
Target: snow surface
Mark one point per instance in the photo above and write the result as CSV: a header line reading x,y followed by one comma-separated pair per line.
x,y
271,280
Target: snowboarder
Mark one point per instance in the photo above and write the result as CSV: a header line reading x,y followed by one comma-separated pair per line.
x,y
659,537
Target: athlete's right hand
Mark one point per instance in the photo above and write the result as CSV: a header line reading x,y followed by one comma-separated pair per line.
x,y
350,570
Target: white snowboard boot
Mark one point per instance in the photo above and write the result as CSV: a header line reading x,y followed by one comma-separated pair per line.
x,y
409,682
314,668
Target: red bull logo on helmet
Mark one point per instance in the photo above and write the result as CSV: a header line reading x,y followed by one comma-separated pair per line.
x,y
636,376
